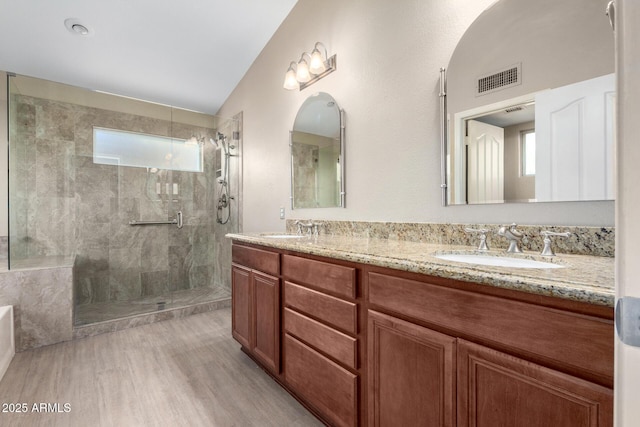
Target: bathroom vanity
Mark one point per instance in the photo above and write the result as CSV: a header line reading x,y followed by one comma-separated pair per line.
x,y
379,332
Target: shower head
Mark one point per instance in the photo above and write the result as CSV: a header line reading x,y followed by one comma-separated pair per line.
x,y
214,142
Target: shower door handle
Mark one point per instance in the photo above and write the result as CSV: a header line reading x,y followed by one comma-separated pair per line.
x,y
179,219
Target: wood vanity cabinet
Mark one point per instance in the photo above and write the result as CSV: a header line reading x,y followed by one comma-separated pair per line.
x,y
364,345
547,367
320,337
255,300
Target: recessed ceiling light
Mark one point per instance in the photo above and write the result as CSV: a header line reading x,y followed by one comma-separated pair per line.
x,y
77,28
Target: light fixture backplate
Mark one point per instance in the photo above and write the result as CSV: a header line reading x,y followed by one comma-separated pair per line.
x,y
330,65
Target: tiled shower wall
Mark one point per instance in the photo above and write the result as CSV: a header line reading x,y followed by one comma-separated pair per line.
x,y
4,249
222,245
306,168
64,204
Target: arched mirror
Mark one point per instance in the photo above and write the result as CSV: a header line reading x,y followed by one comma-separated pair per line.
x,y
317,154
530,96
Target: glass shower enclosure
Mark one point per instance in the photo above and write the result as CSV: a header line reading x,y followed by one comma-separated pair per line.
x,y
126,187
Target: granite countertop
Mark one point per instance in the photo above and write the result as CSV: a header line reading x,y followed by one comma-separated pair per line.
x,y
584,278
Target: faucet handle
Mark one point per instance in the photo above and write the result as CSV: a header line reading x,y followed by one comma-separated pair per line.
x,y
516,233
513,236
482,246
316,228
548,251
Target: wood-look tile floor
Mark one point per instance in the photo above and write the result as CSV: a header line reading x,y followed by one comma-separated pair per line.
x,y
181,372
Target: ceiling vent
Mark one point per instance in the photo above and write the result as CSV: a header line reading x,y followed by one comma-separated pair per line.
x,y
514,109
508,77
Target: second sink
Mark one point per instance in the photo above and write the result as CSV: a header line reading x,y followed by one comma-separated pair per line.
x,y
496,261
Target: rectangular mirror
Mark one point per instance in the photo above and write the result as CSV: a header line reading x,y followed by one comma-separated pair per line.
x,y
532,118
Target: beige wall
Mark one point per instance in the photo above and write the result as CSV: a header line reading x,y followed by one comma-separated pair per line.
x,y
572,44
389,54
627,377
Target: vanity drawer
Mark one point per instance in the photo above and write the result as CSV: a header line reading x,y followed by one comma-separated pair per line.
x,y
257,259
334,311
323,383
579,344
334,278
341,347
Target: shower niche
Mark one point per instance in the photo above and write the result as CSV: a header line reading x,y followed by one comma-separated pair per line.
x,y
105,179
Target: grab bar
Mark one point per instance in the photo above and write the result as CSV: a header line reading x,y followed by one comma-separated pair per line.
x,y
176,221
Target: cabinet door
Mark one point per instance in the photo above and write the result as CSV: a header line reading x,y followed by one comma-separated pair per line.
x,y
495,389
266,309
411,374
241,319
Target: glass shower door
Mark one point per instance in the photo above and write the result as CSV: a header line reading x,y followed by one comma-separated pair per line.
x,y
86,168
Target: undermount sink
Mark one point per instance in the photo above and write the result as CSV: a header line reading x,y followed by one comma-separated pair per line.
x,y
284,236
497,261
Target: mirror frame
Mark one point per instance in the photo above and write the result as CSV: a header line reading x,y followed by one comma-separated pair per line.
x,y
342,157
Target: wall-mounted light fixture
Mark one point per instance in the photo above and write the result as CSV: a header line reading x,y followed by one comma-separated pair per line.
x,y
305,73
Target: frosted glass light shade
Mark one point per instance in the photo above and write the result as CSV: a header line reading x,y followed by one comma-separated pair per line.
x,y
290,82
302,72
317,63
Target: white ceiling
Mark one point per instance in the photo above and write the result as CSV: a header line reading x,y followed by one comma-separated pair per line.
x,y
187,53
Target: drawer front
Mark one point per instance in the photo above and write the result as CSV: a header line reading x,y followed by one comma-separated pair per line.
x,y
324,384
339,346
323,275
334,311
258,259
580,344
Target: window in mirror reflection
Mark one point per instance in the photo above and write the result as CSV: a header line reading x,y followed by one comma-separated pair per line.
x,y
528,150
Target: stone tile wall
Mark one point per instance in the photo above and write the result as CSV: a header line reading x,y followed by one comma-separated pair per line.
x,y
306,169
42,303
64,204
4,248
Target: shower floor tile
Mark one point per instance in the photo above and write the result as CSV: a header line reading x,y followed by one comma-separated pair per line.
x,y
99,312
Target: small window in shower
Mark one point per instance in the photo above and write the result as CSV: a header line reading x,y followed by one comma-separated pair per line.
x,y
121,148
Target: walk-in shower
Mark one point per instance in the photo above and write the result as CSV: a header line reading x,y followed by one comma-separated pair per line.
x,y
132,190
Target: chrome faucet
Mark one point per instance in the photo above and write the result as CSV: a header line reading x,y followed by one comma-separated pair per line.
x,y
309,228
513,236
306,226
482,246
548,251
316,228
